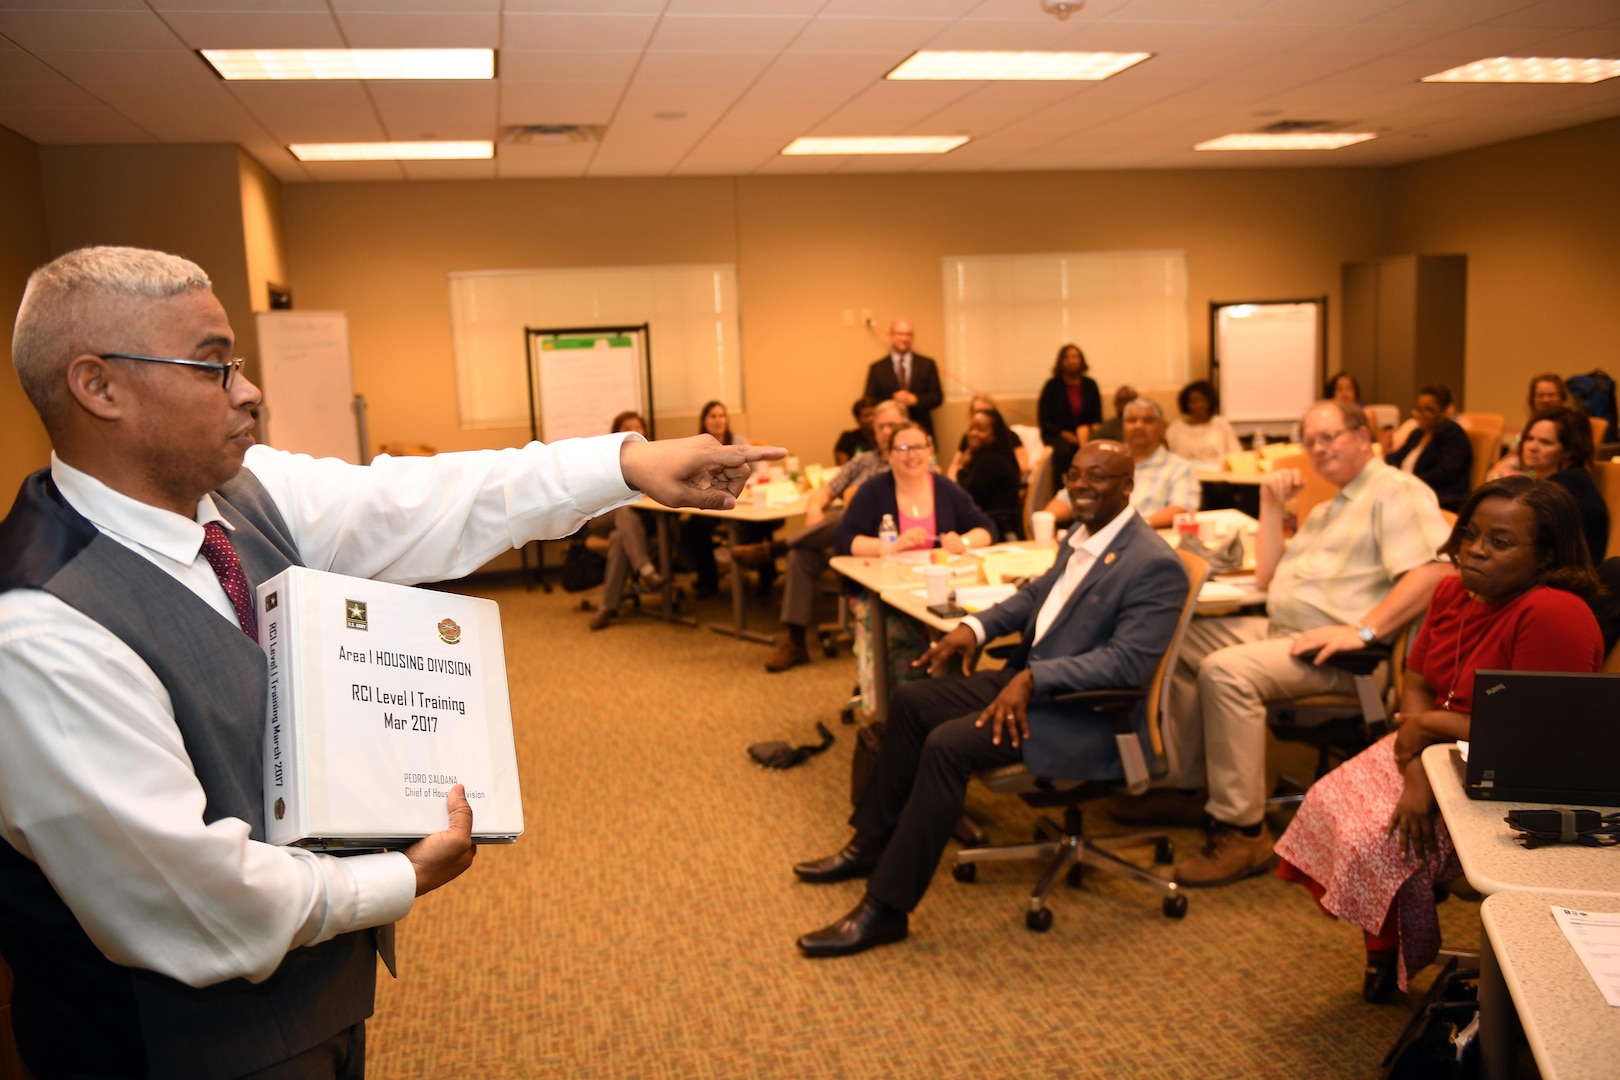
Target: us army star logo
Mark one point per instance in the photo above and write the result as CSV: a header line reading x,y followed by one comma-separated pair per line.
x,y
355,614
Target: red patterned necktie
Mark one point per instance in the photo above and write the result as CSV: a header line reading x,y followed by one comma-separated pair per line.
x,y
216,548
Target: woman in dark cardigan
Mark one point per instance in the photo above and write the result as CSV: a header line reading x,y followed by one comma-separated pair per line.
x,y
989,472
1069,407
928,510
1557,446
1437,451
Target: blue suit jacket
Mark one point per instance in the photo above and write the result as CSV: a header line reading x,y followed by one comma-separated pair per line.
x,y
1111,633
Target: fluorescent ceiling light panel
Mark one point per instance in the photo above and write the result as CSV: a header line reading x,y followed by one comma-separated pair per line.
x,y
1530,69
876,144
393,151
260,64
1328,140
1015,66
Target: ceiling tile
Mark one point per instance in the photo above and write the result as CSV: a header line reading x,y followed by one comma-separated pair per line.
x,y
91,124
1596,42
42,31
698,67
353,171
1315,12
450,170
463,7
420,30
584,7
918,9
71,5
724,33
535,161
256,30
439,123
410,94
240,5
894,37
744,7
1025,11
1193,10
311,112
559,103
180,66
518,66
1014,34
688,97
584,33
1445,12
17,66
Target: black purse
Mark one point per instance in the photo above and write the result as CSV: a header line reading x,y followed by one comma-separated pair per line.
x,y
1442,1041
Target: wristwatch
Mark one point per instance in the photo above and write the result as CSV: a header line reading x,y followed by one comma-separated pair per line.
x,y
1366,633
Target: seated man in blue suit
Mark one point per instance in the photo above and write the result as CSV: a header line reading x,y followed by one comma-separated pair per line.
x,y
1101,617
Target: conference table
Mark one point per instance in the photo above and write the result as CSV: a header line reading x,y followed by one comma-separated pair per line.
x,y
897,584
1529,973
769,502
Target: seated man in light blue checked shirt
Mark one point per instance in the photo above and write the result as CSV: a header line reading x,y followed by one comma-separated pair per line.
x,y
1165,484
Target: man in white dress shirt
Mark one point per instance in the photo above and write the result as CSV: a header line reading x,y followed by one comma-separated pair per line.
x,y
149,927
1101,617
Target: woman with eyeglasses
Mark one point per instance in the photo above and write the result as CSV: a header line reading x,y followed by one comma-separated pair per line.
x,y
1367,841
1437,450
929,511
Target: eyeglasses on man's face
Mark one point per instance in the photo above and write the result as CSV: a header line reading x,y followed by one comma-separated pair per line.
x,y
1093,477
1322,440
227,368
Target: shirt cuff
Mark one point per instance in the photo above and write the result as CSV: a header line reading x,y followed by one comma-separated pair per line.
x,y
973,624
384,888
591,472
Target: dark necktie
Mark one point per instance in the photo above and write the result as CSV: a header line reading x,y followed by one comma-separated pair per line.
x,y
903,371
216,548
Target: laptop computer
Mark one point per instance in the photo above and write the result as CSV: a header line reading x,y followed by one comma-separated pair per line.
x,y
1551,737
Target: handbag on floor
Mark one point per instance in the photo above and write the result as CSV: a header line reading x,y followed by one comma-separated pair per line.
x,y
1442,1041
582,568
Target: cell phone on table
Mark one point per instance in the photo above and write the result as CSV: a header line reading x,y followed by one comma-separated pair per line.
x,y
947,610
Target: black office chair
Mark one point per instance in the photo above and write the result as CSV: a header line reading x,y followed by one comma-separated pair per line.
x,y
1065,847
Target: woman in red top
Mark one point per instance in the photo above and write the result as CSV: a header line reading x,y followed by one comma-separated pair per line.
x,y
1367,841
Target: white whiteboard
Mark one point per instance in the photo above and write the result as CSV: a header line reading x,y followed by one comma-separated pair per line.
x,y
308,389
1268,356
584,380
1006,316
691,312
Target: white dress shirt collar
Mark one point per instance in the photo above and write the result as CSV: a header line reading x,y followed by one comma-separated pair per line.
x,y
132,522
1097,543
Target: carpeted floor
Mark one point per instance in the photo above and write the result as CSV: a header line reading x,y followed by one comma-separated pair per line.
x,y
644,925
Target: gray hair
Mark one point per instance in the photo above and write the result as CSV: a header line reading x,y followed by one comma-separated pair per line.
x,y
72,306
1137,404
1354,417
889,405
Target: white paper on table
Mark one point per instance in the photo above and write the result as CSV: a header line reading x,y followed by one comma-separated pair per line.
x,y
1462,749
1218,592
1595,936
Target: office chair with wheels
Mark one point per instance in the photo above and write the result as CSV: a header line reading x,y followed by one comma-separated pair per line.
x,y
1342,725
1065,847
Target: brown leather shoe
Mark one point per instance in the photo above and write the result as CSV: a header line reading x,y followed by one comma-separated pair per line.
x,y
1228,856
603,618
788,655
752,556
1161,806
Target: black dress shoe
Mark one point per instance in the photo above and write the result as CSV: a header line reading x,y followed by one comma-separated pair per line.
x,y
1378,984
872,923
854,861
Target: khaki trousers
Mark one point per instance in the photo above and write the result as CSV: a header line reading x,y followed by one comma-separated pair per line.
x,y
1228,670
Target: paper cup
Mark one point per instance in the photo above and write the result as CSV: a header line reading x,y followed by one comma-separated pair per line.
x,y
1042,524
938,580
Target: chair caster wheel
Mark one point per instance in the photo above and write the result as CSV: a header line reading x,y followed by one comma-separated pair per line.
x,y
965,872
1073,876
1039,921
586,605
830,651
1175,907
846,715
1164,852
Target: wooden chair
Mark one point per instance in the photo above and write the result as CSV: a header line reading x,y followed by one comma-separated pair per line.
x,y
1485,436
1600,428
1607,475
1316,490
1065,848
1041,487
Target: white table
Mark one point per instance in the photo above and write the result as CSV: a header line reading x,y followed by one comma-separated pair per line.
x,y
746,510
1508,873
1528,968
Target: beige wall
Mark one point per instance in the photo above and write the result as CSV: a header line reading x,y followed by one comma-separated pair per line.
x,y
1539,220
182,199
262,240
23,246
806,248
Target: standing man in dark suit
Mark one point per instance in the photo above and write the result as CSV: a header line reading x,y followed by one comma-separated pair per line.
x,y
910,379
1101,617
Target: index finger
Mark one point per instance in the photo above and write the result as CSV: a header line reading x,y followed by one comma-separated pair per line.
x,y
762,453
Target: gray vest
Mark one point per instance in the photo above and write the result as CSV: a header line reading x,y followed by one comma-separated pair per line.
x,y
74,1010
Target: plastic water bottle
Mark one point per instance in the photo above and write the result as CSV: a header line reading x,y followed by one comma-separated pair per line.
x,y
888,537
